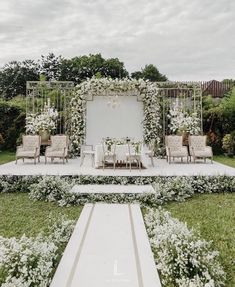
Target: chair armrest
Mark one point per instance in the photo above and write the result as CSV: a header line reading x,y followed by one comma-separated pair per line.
x,y
210,149
19,147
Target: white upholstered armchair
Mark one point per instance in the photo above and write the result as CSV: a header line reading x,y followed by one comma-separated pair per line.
x,y
175,148
30,148
199,149
58,148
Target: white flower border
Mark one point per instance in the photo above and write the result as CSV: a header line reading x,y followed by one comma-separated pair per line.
x,y
147,91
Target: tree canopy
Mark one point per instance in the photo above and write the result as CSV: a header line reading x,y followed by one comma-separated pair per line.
x,y
15,74
149,72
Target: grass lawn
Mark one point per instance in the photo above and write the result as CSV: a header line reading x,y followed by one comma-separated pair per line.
x,y
230,161
21,215
214,216
6,156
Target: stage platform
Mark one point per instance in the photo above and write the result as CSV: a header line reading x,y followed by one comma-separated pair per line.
x,y
161,168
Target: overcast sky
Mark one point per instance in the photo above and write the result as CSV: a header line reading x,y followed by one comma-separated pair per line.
x,y
185,39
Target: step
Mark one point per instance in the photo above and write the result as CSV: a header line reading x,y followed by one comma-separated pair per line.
x,y
112,188
108,248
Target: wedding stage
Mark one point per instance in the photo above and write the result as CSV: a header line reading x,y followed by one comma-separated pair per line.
x,y
161,168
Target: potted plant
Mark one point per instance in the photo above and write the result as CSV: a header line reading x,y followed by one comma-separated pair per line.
x,y
183,123
42,123
228,145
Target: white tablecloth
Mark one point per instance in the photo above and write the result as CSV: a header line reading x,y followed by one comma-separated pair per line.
x,y
121,152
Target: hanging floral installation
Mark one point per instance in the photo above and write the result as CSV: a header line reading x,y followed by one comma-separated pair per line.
x,y
144,90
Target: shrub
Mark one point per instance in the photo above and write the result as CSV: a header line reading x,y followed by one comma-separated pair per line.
x,y
228,144
12,123
182,258
50,188
175,189
29,262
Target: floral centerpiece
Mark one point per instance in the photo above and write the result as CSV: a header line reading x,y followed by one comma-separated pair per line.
x,y
42,123
136,145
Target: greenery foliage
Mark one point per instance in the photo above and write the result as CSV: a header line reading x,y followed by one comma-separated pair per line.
x,y
13,77
228,144
149,72
12,123
15,74
182,257
31,261
213,216
219,119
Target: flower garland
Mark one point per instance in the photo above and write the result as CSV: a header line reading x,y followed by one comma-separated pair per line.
x,y
147,91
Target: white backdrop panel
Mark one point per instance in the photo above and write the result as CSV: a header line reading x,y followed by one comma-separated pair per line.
x,y
122,121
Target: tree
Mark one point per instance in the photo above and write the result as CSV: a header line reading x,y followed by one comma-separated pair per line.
x,y
137,75
80,68
151,73
14,75
50,66
114,68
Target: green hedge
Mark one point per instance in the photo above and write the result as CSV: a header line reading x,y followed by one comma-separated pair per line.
x,y
12,123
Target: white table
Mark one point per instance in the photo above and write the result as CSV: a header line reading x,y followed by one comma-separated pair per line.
x,y
121,153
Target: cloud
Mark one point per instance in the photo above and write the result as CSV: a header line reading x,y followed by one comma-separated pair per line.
x,y
185,39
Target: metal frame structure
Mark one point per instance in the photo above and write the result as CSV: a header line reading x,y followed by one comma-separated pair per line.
x,y
59,93
187,93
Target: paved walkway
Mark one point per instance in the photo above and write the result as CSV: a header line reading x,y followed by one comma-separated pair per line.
x,y
73,168
109,248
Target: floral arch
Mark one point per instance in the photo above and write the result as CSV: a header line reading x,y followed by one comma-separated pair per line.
x,y
158,98
144,90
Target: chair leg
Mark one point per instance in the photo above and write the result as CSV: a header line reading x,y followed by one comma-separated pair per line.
x,y
82,159
152,161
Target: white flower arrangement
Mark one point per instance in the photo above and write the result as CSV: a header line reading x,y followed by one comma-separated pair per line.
x,y
43,121
30,261
182,121
182,258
